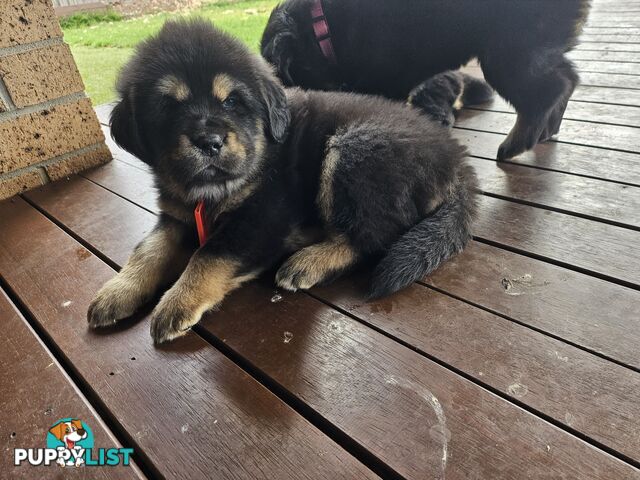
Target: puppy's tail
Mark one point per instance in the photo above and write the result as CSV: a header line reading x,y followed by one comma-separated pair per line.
x,y
429,243
476,91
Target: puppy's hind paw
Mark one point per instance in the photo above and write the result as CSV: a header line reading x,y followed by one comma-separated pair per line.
x,y
297,273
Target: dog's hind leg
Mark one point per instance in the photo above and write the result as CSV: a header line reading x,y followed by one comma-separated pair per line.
x,y
317,264
439,96
556,115
538,86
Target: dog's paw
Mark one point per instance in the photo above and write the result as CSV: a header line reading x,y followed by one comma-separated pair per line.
x,y
115,300
511,148
296,273
170,320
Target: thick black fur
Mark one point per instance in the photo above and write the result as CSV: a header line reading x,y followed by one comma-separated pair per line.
x,y
388,47
442,96
400,188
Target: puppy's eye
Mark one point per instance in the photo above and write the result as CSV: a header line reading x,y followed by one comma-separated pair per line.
x,y
230,102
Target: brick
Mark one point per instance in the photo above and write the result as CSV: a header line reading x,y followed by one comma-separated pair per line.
x,y
39,136
9,186
26,21
39,75
78,163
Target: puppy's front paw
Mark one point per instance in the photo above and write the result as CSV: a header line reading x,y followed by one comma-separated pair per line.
x,y
170,320
116,300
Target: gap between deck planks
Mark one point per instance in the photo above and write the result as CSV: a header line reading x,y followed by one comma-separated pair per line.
x,y
63,211
187,409
36,393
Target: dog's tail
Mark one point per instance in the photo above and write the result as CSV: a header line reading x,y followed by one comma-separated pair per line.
x,y
476,91
429,243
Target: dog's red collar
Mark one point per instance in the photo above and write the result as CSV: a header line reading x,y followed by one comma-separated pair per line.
x,y
322,32
201,224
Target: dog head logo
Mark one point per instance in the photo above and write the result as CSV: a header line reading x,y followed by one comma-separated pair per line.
x,y
70,436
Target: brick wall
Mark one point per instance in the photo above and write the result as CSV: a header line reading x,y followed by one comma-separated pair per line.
x,y
48,129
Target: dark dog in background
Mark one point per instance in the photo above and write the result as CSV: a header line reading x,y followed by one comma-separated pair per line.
x,y
388,47
324,180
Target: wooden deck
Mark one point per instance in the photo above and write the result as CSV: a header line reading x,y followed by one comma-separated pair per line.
x,y
518,359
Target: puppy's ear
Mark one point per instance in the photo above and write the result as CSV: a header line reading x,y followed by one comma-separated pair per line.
x,y
58,430
277,109
124,127
278,43
279,52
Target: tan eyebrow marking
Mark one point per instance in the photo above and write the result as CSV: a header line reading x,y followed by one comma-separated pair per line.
x,y
222,86
174,87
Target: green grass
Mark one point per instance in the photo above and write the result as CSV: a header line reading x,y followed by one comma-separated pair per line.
x,y
99,68
102,47
86,19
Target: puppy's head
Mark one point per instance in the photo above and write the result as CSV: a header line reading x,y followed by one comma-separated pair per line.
x,y
290,45
200,109
69,432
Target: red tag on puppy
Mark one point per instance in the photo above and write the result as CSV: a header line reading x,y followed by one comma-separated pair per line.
x,y
201,225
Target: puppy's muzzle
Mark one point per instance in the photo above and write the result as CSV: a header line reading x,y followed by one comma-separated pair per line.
x,y
209,143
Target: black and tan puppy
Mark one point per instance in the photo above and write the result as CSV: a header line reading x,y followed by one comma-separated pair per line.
x,y
388,47
326,179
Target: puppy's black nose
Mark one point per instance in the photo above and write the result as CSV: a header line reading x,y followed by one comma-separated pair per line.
x,y
211,144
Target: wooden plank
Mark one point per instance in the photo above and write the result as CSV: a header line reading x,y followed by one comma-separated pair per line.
x,y
342,369
605,201
586,311
615,23
631,69
580,111
36,391
610,80
583,244
608,47
561,157
127,181
362,368
192,411
605,56
571,131
616,96
617,38
547,374
598,93
612,29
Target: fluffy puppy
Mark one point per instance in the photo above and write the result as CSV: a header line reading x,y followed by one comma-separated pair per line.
x,y
385,47
323,180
